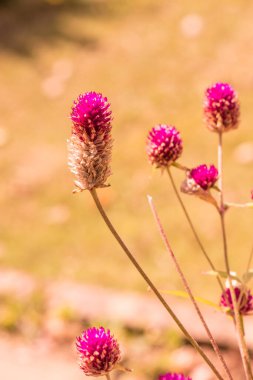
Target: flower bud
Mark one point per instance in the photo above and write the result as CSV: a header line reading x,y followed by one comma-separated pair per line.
x,y
204,177
164,145
90,143
221,108
98,351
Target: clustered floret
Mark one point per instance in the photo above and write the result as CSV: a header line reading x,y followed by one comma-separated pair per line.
x,y
90,143
98,351
243,297
91,115
204,177
221,108
164,145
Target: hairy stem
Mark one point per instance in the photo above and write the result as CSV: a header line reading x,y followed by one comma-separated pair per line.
x,y
151,285
188,289
192,227
237,318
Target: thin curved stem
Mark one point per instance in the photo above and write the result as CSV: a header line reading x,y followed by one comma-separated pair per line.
x,y
150,283
237,318
187,288
192,227
250,260
108,376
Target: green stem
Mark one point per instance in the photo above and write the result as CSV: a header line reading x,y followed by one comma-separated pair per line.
x,y
188,289
237,319
193,228
150,283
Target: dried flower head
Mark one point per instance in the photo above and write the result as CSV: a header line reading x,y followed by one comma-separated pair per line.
x,y
98,351
221,108
90,143
204,177
243,297
164,145
173,376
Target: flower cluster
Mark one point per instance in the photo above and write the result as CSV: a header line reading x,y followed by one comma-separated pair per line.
x,y
221,108
98,350
243,297
90,143
204,177
164,145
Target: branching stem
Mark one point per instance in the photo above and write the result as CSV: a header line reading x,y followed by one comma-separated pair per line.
x,y
151,285
193,228
237,318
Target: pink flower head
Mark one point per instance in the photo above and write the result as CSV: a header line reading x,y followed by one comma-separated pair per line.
x,y
91,115
164,145
173,376
98,351
243,297
252,194
221,108
90,144
205,177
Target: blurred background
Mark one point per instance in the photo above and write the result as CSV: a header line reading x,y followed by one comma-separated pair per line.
x,y
153,60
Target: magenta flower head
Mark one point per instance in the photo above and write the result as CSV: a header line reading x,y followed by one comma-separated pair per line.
x,y
164,145
91,116
98,351
243,297
221,108
204,177
173,376
90,143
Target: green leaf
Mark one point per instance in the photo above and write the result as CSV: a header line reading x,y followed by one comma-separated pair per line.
x,y
222,274
182,294
246,277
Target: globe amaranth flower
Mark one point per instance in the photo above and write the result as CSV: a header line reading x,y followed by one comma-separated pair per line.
x,y
98,350
204,177
173,376
164,145
90,143
243,297
221,108
199,181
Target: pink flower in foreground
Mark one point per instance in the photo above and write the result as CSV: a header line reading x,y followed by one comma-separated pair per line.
x,y
173,376
221,108
98,351
164,145
205,177
244,299
90,143
91,115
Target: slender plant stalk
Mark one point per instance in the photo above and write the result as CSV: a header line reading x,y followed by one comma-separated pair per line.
x,y
187,288
250,260
237,318
192,227
108,376
151,285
